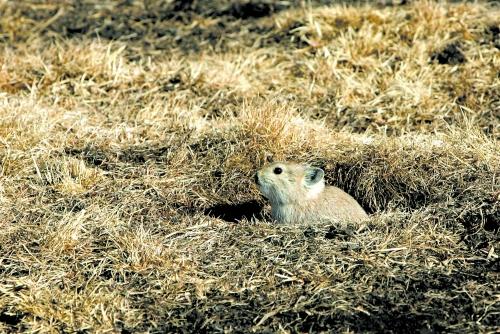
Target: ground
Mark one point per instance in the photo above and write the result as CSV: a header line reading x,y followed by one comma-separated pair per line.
x,y
130,132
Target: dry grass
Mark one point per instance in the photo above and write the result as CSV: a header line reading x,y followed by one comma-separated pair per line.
x,y
129,136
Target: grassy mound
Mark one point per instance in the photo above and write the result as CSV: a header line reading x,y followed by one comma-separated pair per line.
x,y
130,132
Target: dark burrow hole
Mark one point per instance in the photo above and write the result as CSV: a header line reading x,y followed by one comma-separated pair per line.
x,y
450,54
11,319
235,212
251,10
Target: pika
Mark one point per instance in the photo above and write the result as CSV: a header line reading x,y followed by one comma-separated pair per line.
x,y
298,194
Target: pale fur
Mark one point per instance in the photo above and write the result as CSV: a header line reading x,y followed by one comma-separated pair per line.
x,y
295,200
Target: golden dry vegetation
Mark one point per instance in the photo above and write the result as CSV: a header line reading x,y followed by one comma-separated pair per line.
x,y
130,132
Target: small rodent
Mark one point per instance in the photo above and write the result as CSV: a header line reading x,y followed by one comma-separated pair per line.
x,y
298,195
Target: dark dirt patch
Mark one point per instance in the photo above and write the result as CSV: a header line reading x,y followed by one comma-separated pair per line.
x,y
135,21
415,302
160,25
409,300
491,35
481,228
141,154
106,159
449,55
335,232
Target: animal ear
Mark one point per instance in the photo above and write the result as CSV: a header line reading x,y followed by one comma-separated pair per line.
x,y
314,175
269,157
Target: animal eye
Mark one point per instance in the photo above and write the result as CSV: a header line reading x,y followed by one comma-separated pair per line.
x,y
278,170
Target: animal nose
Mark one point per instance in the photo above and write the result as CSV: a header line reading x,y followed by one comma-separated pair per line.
x,y
256,177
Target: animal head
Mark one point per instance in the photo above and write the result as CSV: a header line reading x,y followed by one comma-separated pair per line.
x,y
283,183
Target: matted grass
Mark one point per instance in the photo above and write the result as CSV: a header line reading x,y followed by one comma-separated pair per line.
x,y
129,135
